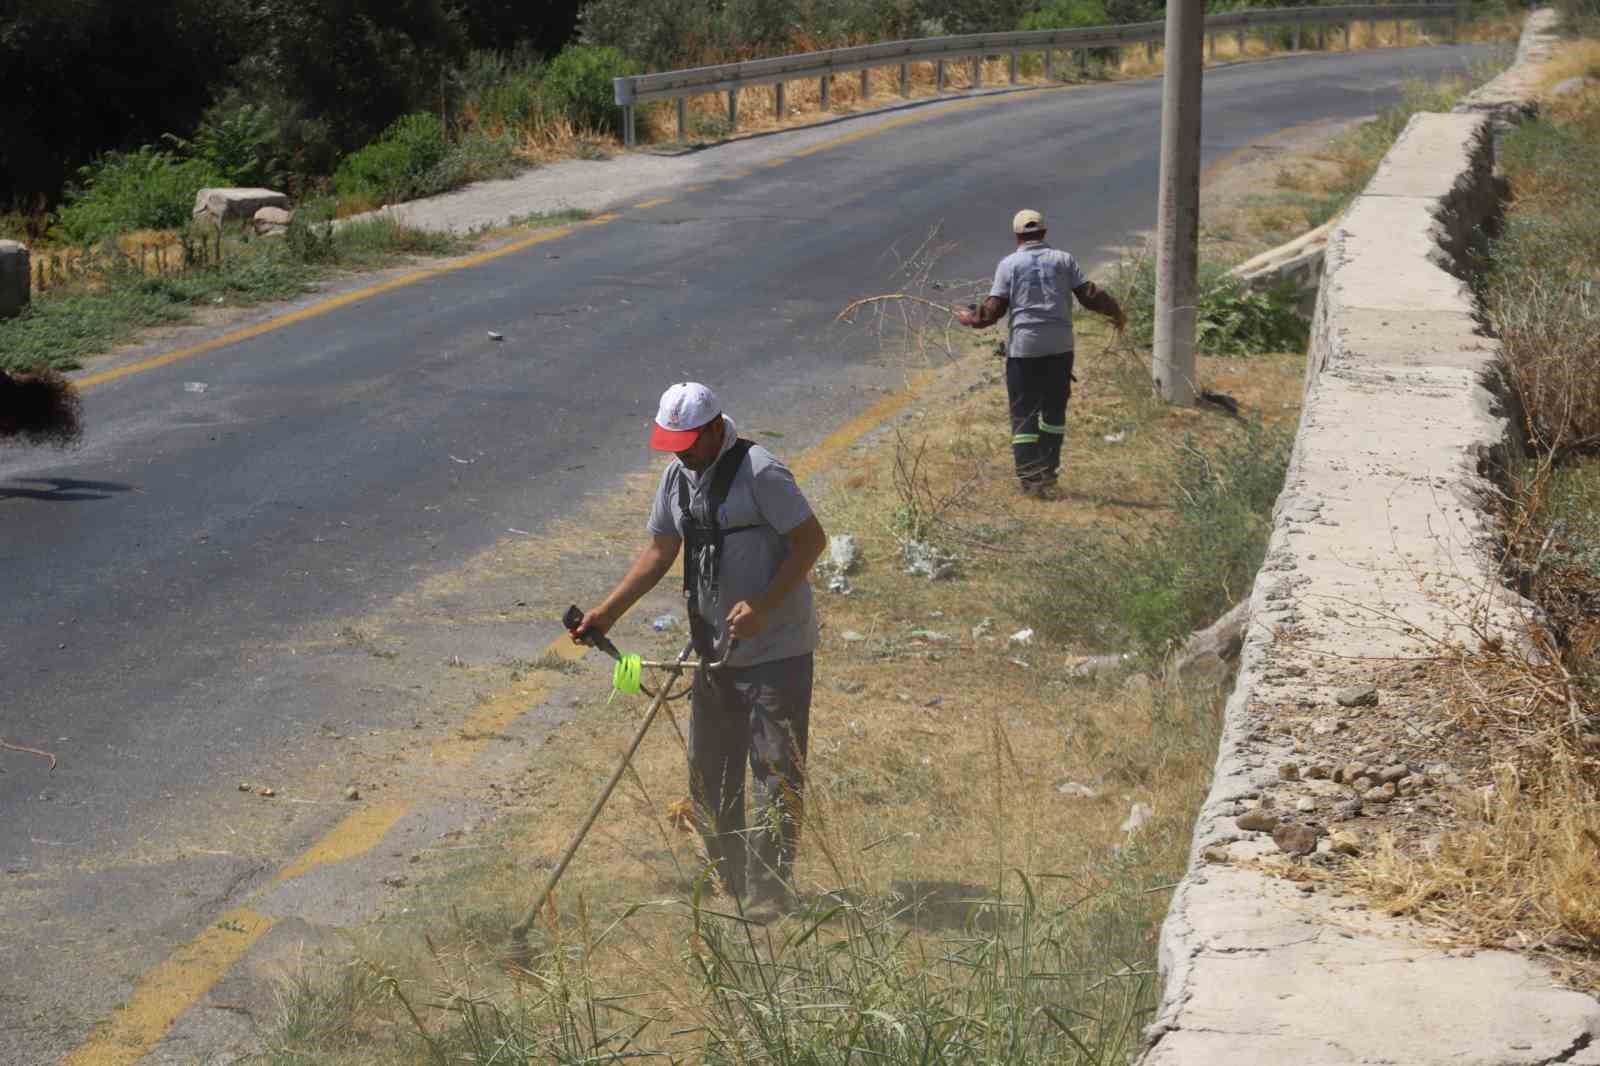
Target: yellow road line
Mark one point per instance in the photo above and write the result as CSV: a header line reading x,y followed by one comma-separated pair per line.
x,y
657,202
358,834
333,304
170,989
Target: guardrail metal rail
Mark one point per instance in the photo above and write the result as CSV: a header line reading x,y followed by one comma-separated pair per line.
x,y
731,78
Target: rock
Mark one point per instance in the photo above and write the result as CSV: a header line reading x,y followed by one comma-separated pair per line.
x,y
1350,808
1138,814
663,623
15,278
1390,774
1296,839
1345,842
1216,853
842,553
1077,791
1257,821
1305,805
1361,784
850,636
352,793
851,688
1571,87
266,792
1378,794
245,786
1289,772
982,629
228,205
1021,638
932,636
1318,772
271,221
927,560
1357,696
1324,727
1349,772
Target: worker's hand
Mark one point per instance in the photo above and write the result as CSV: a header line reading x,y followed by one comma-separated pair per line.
x,y
1119,321
967,316
597,621
744,621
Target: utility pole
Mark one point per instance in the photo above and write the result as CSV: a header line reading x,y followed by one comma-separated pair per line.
x,y
1178,222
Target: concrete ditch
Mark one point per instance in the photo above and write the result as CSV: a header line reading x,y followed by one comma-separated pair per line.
x,y
1380,543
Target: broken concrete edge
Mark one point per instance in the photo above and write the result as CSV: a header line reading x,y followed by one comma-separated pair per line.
x,y
15,278
1398,431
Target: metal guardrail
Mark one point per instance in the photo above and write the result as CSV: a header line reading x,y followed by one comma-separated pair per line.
x,y
732,77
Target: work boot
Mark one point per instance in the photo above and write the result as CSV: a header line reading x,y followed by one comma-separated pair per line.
x,y
1040,490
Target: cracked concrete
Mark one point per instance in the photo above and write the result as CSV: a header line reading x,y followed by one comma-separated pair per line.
x,y
1380,543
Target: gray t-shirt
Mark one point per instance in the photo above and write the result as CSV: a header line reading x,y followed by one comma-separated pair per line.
x,y
1037,280
763,494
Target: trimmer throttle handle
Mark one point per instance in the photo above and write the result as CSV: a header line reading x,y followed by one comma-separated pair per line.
x,y
574,618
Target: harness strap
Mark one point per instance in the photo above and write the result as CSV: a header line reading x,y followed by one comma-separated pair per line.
x,y
702,541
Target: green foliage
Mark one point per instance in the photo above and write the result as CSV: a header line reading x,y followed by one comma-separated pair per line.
x,y
398,165
577,83
502,91
239,145
1111,592
146,189
1231,318
1064,14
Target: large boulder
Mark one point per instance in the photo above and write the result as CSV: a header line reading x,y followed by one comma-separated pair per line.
x,y
13,278
224,205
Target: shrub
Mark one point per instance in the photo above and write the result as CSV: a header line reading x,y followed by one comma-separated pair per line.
x,y
239,145
146,189
1114,593
578,84
1231,319
397,165
1064,14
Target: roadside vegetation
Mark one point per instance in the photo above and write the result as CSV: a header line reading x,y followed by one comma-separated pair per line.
x,y
1521,866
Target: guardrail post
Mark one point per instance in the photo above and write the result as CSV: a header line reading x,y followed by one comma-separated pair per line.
x,y
1149,51
733,110
1296,35
1049,64
683,118
1083,62
826,91
1322,38
1240,38
1463,13
1013,68
1211,47
780,100
905,79
940,75
629,130
977,72
1372,33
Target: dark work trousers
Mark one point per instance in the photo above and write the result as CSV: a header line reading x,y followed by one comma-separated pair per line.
x,y
1038,387
760,714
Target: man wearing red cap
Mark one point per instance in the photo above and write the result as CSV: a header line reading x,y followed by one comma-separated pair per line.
x,y
752,539
1035,284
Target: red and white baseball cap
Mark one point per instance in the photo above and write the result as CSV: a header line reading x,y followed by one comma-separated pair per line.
x,y
686,409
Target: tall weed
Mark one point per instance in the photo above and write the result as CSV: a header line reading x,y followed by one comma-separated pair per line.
x,y
145,189
1232,318
1114,591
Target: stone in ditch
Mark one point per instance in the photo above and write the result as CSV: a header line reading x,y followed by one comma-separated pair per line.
x,y
1216,854
1296,839
1379,794
1323,727
352,793
1345,842
1362,783
1393,773
1318,772
1305,805
1257,821
1350,808
1289,772
1357,696
1349,772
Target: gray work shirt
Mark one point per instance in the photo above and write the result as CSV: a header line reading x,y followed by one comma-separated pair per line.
x,y
1037,281
764,495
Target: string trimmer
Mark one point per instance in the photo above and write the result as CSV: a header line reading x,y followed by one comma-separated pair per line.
x,y
626,677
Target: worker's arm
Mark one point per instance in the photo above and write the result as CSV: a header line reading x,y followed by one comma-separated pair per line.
x,y
647,571
1101,302
992,310
805,543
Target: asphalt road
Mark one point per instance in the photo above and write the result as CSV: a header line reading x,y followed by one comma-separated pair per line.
x,y
160,581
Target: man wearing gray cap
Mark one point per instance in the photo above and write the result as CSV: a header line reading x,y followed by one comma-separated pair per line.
x,y
751,540
1036,284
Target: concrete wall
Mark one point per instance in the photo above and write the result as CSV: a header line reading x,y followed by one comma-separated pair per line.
x,y
1379,542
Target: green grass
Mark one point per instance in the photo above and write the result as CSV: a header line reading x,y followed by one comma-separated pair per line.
x,y
63,327
1231,320
1117,591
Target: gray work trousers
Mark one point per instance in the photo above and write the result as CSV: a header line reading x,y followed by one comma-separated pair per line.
x,y
760,714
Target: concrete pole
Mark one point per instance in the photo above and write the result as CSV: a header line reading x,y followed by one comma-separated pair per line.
x,y
1178,218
